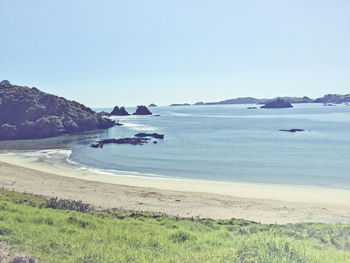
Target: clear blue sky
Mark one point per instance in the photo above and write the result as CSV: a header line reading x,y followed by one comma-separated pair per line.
x,y
105,53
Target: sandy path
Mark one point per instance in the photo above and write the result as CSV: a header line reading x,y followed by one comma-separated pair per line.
x,y
176,203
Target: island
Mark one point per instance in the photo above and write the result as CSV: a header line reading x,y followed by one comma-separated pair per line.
x,y
276,104
119,111
152,105
142,110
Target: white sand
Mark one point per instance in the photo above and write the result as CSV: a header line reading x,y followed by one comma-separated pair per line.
x,y
263,203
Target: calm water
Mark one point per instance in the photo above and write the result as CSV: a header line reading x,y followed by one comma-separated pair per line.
x,y
232,143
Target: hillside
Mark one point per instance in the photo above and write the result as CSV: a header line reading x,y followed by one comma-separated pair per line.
x,y
68,231
28,113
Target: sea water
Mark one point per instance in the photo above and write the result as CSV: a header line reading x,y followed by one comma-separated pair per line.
x,y
231,143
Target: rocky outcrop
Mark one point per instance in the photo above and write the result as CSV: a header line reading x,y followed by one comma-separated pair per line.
x,y
119,111
133,141
276,104
28,113
142,110
152,135
152,105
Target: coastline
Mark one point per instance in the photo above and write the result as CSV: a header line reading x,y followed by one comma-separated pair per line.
x,y
55,176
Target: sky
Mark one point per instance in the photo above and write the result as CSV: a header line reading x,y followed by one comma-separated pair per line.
x,y
108,52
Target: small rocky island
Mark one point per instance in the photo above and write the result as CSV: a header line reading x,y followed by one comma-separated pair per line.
x,y
119,111
152,135
139,139
28,113
152,105
277,104
142,110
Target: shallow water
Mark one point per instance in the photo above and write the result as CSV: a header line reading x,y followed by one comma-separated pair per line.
x,y
232,143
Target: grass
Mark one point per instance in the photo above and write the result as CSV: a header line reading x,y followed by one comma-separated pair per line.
x,y
53,231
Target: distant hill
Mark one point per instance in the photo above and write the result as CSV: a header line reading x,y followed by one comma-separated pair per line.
x,y
333,98
183,104
330,98
28,113
246,100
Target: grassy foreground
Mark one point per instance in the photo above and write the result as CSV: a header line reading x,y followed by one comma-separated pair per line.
x,y
57,235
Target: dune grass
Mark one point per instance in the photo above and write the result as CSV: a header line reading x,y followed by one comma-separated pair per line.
x,y
61,235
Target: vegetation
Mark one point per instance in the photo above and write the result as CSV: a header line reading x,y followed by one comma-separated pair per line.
x,y
67,231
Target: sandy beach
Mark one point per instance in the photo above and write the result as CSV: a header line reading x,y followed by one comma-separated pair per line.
x,y
53,177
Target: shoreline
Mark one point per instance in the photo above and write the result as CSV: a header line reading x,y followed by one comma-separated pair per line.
x,y
46,172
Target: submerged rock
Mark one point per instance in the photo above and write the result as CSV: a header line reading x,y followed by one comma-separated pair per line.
x,y
119,111
142,110
28,113
279,103
152,135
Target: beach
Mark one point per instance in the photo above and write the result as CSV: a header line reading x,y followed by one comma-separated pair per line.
x,y
272,204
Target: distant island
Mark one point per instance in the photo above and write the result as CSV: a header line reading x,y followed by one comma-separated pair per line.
x,y
329,98
183,104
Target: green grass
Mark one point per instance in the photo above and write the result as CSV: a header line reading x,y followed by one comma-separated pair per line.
x,y
56,235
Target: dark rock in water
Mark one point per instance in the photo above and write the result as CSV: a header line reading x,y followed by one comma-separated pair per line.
x,y
157,115
153,135
27,113
133,141
328,104
251,108
276,104
152,105
142,110
293,130
119,111
155,142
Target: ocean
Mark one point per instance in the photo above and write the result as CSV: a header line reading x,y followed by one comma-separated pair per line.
x,y
230,143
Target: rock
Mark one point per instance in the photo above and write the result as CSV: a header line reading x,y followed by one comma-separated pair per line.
x,y
152,105
155,142
142,110
133,141
293,130
119,112
279,103
251,108
23,259
103,114
199,103
27,113
152,135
